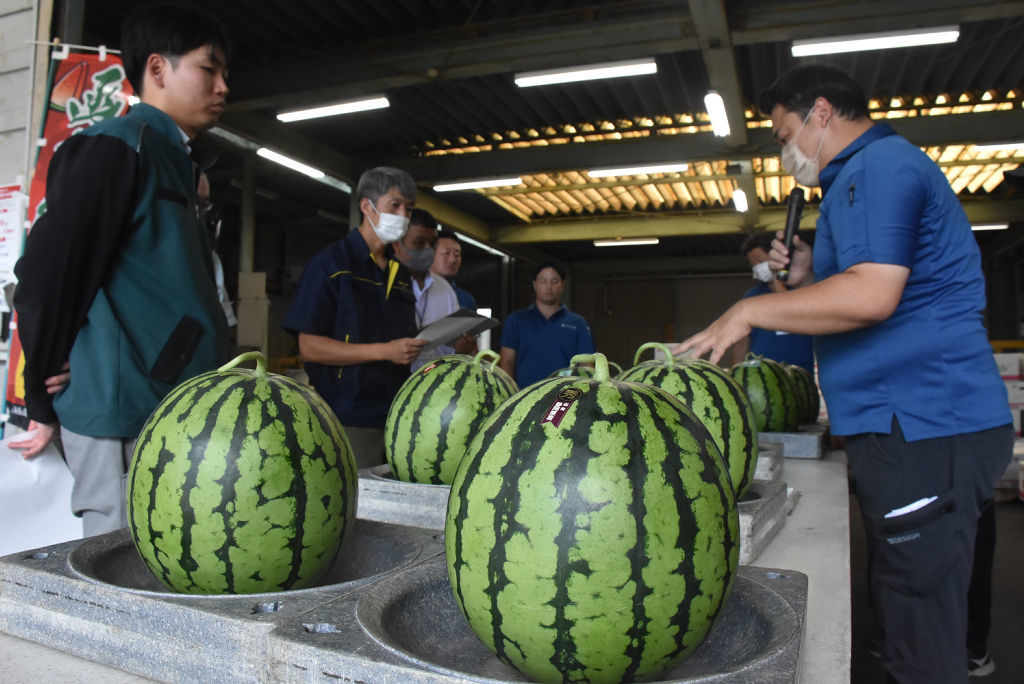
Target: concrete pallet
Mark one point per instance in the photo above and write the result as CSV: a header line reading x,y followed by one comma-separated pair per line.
x,y
807,442
762,514
385,499
386,614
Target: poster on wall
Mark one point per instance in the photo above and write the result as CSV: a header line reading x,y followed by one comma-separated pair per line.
x,y
12,233
86,89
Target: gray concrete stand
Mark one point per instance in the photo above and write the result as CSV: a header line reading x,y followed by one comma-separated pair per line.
x,y
388,615
806,442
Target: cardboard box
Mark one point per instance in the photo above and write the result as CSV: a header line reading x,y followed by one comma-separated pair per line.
x,y
252,285
252,322
1009,365
1015,391
1011,476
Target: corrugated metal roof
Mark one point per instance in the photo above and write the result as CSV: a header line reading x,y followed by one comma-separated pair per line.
x,y
447,67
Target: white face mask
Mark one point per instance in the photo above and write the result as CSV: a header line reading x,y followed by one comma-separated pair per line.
x,y
390,228
803,168
763,272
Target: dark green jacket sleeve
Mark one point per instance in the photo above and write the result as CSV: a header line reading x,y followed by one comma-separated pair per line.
x,y
68,252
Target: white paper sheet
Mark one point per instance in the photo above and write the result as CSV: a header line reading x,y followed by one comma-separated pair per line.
x,y
35,499
444,331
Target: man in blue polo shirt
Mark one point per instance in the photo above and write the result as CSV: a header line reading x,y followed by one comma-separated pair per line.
x,y
895,299
355,317
539,340
772,344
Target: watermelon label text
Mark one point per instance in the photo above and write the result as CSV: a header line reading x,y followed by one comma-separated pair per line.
x,y
566,398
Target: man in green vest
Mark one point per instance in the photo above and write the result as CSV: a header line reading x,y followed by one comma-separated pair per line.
x,y
117,277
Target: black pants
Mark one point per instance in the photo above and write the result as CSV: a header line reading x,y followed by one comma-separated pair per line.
x,y
922,559
979,594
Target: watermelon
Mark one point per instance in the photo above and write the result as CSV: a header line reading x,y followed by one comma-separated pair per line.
x,y
591,531
771,392
241,482
436,413
712,394
808,399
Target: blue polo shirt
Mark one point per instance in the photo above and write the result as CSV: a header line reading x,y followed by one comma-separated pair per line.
x,y
343,294
930,363
543,345
780,346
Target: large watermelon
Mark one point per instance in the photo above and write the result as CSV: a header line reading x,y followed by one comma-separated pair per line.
x,y
717,399
241,482
436,413
591,532
808,399
771,392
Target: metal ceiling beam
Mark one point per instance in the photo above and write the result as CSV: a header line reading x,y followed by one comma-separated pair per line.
x,y
712,26
761,23
358,72
923,131
367,69
710,223
716,48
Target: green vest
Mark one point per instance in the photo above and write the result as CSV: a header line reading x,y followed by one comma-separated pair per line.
x,y
156,320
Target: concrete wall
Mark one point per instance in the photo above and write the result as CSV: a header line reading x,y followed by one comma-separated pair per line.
x,y
16,28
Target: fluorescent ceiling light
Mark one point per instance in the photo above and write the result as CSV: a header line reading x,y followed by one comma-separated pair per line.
x,y
623,242
715,106
989,226
590,72
1000,147
480,245
232,138
290,163
481,183
674,167
739,198
361,105
875,41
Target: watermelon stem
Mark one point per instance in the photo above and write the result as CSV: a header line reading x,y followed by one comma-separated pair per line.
x,y
261,363
489,354
671,360
600,361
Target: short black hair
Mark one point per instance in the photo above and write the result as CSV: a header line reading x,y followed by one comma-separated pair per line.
x,y
549,264
168,29
798,88
422,217
449,235
761,239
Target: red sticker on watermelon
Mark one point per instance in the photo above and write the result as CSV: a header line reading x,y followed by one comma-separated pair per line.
x,y
566,398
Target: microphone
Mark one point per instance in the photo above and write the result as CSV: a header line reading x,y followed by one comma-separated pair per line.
x,y
794,211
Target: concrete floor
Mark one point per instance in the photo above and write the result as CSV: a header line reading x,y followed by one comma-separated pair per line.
x,y
1008,599
25,662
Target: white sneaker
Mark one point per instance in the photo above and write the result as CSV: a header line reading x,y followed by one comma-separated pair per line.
x,y
980,667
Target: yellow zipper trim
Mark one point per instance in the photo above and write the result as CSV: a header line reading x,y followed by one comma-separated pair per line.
x,y
392,272
341,368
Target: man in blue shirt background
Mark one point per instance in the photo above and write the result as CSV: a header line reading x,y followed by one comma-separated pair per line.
x,y
447,262
772,344
354,314
895,299
542,338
